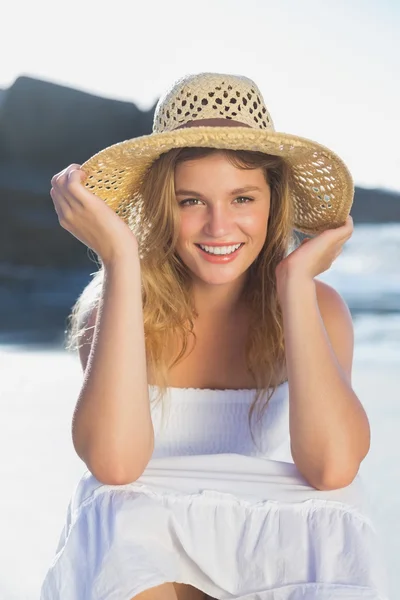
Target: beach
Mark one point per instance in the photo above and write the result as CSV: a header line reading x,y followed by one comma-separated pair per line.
x,y
40,468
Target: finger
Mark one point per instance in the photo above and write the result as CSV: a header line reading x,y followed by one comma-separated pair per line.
x,y
60,178
337,254
61,205
58,198
349,229
76,175
73,189
71,185
341,233
348,224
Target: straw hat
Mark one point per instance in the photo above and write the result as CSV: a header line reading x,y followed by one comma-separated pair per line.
x,y
322,188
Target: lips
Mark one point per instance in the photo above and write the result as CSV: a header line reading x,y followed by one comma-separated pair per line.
x,y
219,258
220,246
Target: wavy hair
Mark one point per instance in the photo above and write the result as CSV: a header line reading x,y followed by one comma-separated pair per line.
x,y
167,301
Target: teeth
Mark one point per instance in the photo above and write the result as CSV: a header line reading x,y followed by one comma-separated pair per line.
x,y
220,250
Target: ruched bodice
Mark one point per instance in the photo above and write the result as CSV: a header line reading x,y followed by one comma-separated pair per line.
x,y
205,421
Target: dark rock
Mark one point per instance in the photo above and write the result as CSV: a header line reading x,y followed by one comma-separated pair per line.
x,y
44,127
375,206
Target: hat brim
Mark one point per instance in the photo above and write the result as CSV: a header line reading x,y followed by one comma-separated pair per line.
x,y
322,187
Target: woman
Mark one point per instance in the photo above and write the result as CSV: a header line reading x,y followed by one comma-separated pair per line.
x,y
194,227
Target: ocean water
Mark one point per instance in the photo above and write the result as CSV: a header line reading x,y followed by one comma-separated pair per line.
x,y
39,387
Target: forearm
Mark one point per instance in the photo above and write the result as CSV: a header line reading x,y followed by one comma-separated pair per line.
x,y
112,428
329,428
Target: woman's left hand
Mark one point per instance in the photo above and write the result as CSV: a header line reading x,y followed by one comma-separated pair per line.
x,y
316,255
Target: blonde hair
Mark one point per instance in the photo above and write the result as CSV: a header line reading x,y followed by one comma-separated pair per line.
x,y
168,308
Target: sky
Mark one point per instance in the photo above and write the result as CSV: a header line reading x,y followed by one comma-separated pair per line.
x,y
329,71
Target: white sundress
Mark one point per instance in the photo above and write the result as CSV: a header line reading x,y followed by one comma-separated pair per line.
x,y
213,511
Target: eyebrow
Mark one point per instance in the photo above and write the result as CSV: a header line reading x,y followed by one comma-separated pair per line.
x,y
248,188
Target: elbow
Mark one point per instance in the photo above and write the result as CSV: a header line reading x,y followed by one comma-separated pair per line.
x,y
116,476
335,480
340,476
331,475
118,472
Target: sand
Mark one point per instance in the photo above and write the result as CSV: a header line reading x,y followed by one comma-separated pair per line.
x,y
39,468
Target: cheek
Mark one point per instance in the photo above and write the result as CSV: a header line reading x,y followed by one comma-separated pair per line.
x,y
256,223
186,225
188,228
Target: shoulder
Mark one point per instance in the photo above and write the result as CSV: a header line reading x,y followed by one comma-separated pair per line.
x,y
338,323
330,302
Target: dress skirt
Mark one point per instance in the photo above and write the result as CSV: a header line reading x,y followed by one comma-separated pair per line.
x,y
235,526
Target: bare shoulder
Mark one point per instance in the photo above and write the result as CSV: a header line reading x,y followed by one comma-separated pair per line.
x,y
331,301
86,326
338,323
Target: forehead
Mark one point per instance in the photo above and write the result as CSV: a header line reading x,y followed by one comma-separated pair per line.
x,y
216,165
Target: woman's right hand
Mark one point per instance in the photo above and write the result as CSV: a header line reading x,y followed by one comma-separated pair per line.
x,y
88,217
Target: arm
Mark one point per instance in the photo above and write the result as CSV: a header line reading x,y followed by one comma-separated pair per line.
x,y
112,429
329,428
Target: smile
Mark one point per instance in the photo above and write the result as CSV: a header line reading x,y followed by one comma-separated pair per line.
x,y
219,258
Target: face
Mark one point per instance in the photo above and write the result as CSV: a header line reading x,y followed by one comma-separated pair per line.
x,y
220,203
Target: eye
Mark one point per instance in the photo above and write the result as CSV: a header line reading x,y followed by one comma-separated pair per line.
x,y
184,202
245,198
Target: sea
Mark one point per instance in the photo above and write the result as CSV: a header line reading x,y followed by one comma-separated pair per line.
x,y
39,386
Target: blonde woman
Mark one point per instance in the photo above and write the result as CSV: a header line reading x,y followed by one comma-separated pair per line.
x,y
217,419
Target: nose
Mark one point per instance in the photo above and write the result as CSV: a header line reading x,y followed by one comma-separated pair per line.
x,y
219,221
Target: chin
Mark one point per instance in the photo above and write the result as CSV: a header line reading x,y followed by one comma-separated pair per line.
x,y
217,278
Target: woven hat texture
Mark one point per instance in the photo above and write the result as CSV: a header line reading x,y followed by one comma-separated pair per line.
x,y
322,188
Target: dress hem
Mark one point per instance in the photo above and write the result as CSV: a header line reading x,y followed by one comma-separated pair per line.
x,y
313,587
